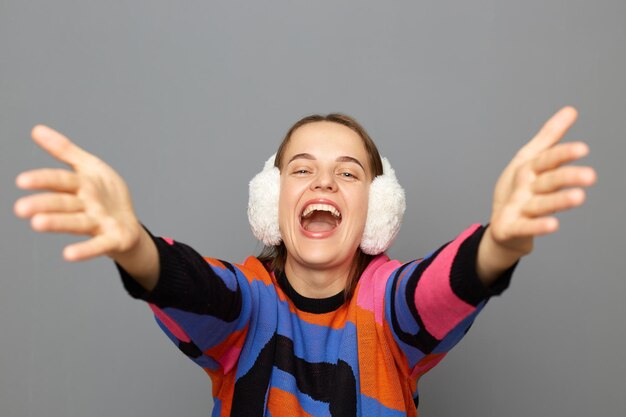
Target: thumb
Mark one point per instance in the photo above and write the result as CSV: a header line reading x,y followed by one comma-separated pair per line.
x,y
60,147
550,134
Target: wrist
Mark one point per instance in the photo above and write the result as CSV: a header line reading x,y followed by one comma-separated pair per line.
x,y
141,260
496,256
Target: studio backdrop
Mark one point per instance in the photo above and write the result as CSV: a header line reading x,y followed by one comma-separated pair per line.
x,y
186,100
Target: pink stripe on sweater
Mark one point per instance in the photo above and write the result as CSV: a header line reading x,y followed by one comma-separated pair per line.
x,y
171,325
372,286
229,358
426,364
439,308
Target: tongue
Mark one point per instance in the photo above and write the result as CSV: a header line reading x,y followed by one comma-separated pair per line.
x,y
319,221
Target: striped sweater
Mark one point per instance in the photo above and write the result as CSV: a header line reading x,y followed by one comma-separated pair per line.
x,y
272,352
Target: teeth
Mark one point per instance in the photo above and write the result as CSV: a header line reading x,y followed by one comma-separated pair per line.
x,y
321,207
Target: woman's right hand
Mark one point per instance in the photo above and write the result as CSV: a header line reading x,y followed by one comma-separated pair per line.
x,y
89,199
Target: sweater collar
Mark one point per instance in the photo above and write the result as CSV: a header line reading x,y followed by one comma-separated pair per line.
x,y
310,305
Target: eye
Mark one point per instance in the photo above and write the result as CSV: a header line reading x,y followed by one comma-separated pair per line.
x,y
348,175
301,171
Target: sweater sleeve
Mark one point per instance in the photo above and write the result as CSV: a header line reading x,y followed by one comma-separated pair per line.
x,y
200,303
432,302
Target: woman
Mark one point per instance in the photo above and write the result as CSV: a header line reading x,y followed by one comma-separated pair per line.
x,y
322,323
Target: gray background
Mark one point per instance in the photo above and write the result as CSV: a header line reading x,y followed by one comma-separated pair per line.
x,y
187,99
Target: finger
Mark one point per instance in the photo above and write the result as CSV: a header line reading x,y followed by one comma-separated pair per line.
x,y
74,223
60,146
551,132
567,176
47,203
559,155
529,227
97,246
545,204
48,179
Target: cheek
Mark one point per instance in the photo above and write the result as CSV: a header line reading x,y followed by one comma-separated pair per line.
x,y
282,206
361,200
364,197
283,212
287,200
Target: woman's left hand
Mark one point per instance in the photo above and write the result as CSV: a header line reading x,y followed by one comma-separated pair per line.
x,y
537,184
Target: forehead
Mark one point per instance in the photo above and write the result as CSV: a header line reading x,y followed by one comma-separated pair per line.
x,y
326,139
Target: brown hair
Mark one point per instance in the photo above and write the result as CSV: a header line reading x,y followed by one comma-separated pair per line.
x,y
275,257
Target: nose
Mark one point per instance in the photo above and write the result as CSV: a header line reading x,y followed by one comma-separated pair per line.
x,y
324,181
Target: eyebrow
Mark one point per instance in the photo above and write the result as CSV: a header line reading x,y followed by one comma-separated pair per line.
x,y
340,159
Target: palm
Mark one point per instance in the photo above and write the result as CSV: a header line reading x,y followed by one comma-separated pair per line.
x,y
90,199
538,183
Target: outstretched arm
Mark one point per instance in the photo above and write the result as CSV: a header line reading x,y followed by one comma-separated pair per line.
x,y
198,302
88,199
535,185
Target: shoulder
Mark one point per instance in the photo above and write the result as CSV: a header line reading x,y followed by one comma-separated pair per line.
x,y
370,291
379,269
251,269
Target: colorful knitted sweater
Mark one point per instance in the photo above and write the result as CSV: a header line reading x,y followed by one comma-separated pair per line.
x,y
272,352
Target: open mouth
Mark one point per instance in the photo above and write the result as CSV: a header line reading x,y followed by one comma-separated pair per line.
x,y
319,218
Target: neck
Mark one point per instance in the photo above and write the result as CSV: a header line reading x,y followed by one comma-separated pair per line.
x,y
316,283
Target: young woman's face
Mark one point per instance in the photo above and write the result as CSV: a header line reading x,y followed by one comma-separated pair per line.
x,y
324,187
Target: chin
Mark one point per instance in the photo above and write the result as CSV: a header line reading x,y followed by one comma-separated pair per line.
x,y
319,254
320,260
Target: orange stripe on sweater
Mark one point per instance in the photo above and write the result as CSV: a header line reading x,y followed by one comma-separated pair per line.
x,y
283,403
215,262
254,270
236,339
223,389
379,379
401,361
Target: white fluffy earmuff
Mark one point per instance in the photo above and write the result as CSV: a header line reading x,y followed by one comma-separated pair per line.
x,y
384,212
385,209
264,190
